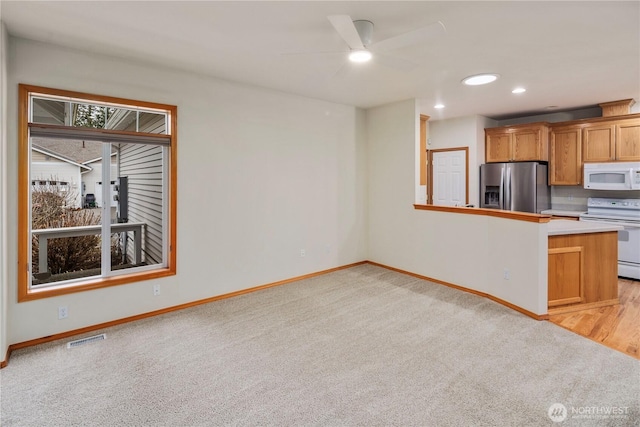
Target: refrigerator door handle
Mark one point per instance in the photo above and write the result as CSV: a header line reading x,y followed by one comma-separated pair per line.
x,y
507,190
501,195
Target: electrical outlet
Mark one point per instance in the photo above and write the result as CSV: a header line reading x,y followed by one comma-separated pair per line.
x,y
156,290
303,253
506,274
63,312
570,197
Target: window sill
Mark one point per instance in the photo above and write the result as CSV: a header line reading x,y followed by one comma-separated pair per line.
x,y
98,283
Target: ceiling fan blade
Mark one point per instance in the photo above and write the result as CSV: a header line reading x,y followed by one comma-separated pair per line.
x,y
341,72
344,26
410,38
318,53
395,62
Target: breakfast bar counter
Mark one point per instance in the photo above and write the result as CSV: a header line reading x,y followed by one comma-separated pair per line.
x,y
563,227
583,265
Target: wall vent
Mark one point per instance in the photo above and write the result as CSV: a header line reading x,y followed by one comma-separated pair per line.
x,y
83,341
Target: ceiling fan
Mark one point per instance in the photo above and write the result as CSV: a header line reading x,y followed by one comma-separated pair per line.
x,y
358,36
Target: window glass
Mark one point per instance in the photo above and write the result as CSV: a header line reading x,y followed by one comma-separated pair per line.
x,y
140,191
49,111
122,119
89,115
152,123
96,209
65,237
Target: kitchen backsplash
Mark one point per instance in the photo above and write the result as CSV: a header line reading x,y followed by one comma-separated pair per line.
x,y
575,197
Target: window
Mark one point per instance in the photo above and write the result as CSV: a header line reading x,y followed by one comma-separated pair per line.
x,y
76,234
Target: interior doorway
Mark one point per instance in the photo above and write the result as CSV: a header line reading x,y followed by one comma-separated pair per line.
x,y
448,176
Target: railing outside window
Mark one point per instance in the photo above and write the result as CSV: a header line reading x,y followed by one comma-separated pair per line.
x,y
44,235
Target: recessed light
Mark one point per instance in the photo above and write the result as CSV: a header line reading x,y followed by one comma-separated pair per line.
x,y
359,55
480,79
439,106
519,90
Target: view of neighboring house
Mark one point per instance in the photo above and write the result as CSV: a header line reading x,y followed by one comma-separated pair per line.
x,y
50,169
75,166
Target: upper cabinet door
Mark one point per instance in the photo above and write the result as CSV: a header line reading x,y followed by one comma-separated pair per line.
x,y
527,145
517,143
628,141
565,163
598,143
498,147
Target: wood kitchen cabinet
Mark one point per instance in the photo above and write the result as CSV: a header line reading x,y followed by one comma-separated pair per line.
x,y
628,140
566,276
583,271
617,108
598,144
565,155
571,144
611,141
528,142
497,146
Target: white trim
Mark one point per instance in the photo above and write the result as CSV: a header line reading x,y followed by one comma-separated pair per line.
x,y
106,213
166,153
47,96
96,159
51,154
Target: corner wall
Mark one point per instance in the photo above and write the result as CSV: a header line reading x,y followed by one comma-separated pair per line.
x,y
466,250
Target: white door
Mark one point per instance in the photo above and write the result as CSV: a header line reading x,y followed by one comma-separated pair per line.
x,y
450,178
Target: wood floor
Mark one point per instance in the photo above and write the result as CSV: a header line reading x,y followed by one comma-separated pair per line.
x,y
616,326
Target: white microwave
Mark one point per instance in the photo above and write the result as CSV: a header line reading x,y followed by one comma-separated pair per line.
x,y
612,176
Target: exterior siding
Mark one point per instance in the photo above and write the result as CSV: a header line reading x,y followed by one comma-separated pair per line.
x,y
37,156
152,123
142,164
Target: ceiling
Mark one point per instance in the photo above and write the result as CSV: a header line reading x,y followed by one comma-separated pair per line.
x,y
567,55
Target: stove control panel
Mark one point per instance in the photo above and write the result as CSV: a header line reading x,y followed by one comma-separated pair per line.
x,y
601,202
603,208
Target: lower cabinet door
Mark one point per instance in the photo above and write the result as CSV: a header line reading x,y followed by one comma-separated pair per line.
x,y
565,276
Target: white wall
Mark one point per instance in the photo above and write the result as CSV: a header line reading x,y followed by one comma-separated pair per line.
x,y
4,40
466,250
261,175
458,133
462,132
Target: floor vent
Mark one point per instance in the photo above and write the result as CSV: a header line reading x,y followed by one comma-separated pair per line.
x,y
83,341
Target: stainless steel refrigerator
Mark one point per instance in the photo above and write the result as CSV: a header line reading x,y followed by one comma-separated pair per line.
x,y
518,186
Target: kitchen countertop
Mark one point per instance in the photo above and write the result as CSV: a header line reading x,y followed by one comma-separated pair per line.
x,y
564,226
563,212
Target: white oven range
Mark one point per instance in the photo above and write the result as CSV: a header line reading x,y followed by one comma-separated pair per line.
x,y
626,213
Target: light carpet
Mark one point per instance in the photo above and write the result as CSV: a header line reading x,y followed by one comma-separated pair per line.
x,y
363,346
